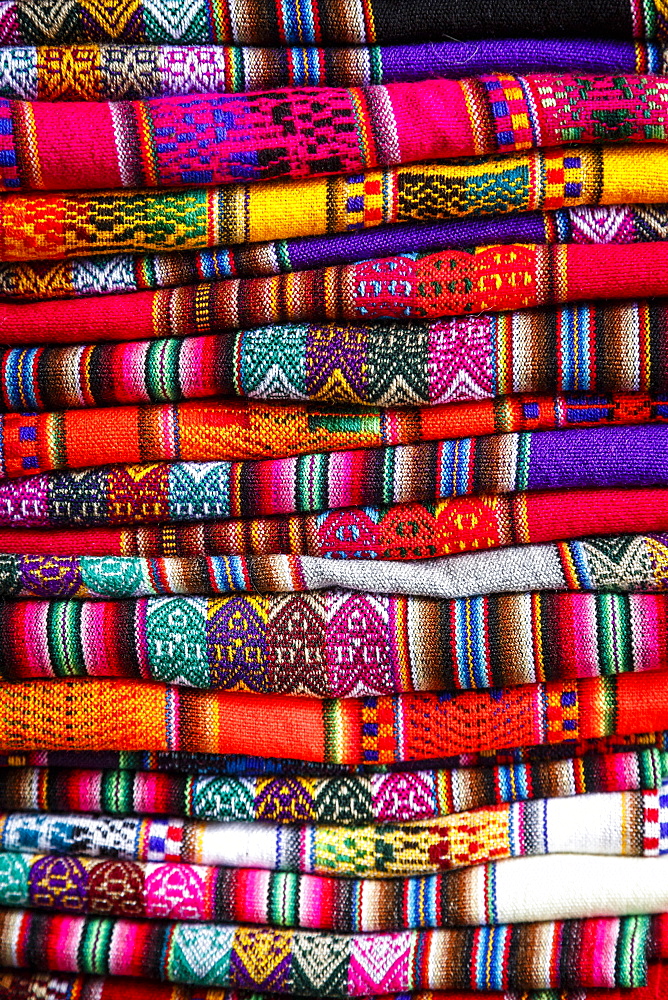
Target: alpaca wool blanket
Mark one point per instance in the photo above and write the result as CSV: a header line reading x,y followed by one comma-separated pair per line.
x,y
619,824
321,22
447,283
551,887
342,798
599,347
123,715
309,132
112,273
333,965
584,458
403,532
337,643
108,72
56,226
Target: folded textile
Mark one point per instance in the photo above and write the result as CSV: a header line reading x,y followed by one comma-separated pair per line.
x,y
244,765
620,563
447,283
215,431
109,274
601,347
620,824
597,952
344,798
580,457
552,887
321,22
99,72
37,985
121,715
310,132
336,643
403,532
53,226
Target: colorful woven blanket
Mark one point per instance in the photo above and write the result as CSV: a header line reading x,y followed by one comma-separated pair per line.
x,y
310,132
447,283
52,226
554,887
619,824
226,431
36,985
108,274
577,458
404,531
600,347
123,715
333,965
177,762
344,799
335,643
322,22
99,72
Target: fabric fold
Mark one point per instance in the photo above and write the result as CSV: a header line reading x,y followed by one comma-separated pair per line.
x,y
301,132
551,887
447,283
53,226
333,965
619,563
111,274
120,715
344,798
623,824
593,347
336,643
113,72
325,22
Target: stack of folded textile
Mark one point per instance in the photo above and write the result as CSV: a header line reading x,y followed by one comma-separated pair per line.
x,y
333,499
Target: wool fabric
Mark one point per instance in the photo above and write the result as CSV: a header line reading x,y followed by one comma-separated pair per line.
x,y
108,274
304,132
581,457
404,532
244,765
121,715
251,430
53,226
618,824
323,22
550,887
447,283
108,72
599,347
620,563
337,643
343,798
35,986
333,965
